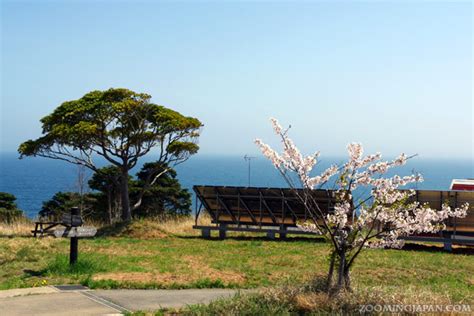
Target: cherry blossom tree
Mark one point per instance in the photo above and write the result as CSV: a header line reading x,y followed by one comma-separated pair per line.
x,y
376,219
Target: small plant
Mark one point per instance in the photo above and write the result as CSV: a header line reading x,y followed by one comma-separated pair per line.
x,y
40,283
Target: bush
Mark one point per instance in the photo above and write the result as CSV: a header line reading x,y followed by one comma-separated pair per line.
x,y
9,212
62,202
10,216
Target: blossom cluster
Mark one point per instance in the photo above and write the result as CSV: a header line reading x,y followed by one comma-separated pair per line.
x,y
383,218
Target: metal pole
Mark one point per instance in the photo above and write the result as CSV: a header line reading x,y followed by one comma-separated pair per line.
x,y
248,159
74,246
249,173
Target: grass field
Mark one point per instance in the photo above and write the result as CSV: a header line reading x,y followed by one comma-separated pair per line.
x,y
148,255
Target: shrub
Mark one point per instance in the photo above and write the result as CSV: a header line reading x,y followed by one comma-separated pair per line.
x,y
9,212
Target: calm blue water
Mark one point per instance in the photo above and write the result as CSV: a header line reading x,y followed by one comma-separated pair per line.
x,y
34,180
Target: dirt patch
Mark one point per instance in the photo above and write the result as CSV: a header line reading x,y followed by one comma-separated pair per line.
x,y
143,277
199,270
199,266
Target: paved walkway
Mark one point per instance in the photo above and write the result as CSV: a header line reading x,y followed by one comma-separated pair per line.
x,y
54,301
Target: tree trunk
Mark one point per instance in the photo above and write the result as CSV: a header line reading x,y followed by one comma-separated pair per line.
x,y
126,210
332,263
340,272
109,205
343,275
347,278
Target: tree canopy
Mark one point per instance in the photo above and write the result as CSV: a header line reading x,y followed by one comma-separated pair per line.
x,y
164,197
119,125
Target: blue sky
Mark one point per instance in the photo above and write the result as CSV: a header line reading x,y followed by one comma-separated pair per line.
x,y
396,76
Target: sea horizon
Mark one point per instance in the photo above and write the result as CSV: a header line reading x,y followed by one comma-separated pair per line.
x,y
35,180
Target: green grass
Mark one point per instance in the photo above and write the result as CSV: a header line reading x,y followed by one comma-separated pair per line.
x,y
86,266
191,262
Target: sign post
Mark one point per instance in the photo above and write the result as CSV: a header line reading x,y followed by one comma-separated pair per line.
x,y
74,232
74,240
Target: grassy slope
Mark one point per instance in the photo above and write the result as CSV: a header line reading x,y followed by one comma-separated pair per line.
x,y
188,261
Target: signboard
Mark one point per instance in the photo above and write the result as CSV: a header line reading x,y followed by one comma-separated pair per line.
x,y
77,232
71,220
462,184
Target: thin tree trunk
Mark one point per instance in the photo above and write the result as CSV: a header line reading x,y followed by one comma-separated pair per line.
x,y
341,269
126,210
109,205
117,204
347,278
331,270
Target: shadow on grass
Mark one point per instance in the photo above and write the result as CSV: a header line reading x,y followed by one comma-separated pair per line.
x,y
461,250
259,238
204,283
34,273
113,230
433,248
60,266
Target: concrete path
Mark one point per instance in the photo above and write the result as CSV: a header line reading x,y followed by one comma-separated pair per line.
x,y
155,299
53,301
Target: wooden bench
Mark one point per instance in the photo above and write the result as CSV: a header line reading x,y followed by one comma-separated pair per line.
x,y
67,220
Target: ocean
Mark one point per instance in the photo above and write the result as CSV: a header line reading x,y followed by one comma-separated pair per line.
x,y
34,180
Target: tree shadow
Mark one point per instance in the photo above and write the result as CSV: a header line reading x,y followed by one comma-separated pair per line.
x,y
114,230
258,238
462,250
34,273
457,250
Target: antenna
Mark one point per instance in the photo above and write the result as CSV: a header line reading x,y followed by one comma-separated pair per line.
x,y
248,159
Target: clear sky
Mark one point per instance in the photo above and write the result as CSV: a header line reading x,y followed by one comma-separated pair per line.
x,y
396,76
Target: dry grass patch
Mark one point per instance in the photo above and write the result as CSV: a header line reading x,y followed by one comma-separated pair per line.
x,y
20,228
312,298
183,226
196,269
202,270
142,277
158,227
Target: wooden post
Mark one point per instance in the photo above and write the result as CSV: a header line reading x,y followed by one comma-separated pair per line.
x,y
448,245
206,233
73,250
222,231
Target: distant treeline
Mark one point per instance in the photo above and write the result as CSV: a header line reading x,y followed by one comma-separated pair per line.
x,y
100,197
